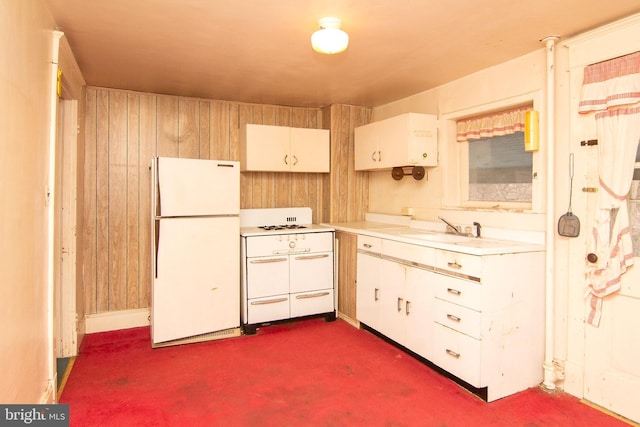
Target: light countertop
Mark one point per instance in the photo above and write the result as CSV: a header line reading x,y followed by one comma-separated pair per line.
x,y
436,239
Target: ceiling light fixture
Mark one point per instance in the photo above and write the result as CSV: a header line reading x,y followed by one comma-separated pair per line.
x,y
329,38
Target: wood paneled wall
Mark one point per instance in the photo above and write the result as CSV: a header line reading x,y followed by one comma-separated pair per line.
x,y
348,197
125,130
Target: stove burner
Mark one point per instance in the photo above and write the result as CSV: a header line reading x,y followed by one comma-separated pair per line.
x,y
281,227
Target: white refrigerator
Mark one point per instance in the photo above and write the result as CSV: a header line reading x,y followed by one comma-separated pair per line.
x,y
195,250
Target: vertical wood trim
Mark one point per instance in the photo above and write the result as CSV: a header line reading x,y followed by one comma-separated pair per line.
x,y
102,201
256,177
148,150
117,200
204,129
132,282
246,179
89,236
167,123
188,128
219,128
268,178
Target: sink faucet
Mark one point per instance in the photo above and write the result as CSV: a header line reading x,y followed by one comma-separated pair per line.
x,y
452,227
478,227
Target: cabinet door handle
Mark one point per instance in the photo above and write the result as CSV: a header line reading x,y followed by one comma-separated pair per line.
x,y
295,160
453,353
302,258
368,246
379,156
455,265
454,291
373,156
376,294
407,308
269,301
316,295
400,304
454,318
286,156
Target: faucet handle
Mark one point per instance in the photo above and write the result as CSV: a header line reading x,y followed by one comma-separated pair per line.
x,y
478,228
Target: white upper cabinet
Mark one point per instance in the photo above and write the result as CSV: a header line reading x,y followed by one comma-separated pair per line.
x,y
409,139
284,149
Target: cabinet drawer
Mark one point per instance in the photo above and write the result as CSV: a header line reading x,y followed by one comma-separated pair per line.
x,y
420,256
274,307
369,244
466,265
306,303
458,291
458,354
462,319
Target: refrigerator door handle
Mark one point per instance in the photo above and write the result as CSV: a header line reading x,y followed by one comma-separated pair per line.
x,y
223,165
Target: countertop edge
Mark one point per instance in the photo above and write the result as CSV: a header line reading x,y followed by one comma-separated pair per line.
x,y
394,231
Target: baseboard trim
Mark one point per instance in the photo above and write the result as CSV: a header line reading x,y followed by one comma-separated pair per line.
x,y
115,320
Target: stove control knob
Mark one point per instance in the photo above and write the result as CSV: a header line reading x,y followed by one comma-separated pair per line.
x,y
292,244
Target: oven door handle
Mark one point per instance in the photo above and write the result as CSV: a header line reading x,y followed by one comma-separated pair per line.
x,y
316,295
269,301
267,261
309,257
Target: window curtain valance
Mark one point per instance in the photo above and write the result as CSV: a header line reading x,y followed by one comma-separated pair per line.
x,y
611,90
502,123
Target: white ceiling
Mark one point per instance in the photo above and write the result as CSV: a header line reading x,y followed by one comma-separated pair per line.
x,y
259,50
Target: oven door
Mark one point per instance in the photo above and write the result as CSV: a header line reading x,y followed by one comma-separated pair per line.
x,y
267,276
310,272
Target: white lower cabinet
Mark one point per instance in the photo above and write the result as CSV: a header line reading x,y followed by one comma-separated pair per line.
x,y
480,318
394,293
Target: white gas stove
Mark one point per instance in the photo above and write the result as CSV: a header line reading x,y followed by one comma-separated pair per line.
x,y
287,267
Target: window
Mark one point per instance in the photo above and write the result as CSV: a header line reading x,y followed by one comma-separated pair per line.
x,y
499,169
633,201
496,171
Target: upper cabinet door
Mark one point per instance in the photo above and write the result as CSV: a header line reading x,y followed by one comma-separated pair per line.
x,y
366,151
284,149
309,150
405,140
264,148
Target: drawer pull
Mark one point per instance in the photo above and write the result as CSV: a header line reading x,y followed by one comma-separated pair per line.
x,y
267,261
319,294
400,304
302,258
454,318
269,301
455,265
368,246
376,294
407,307
454,291
453,353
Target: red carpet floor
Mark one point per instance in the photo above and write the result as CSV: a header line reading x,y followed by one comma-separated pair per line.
x,y
307,373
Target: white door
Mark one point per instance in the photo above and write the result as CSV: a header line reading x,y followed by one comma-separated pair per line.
x,y
196,289
611,368
368,290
